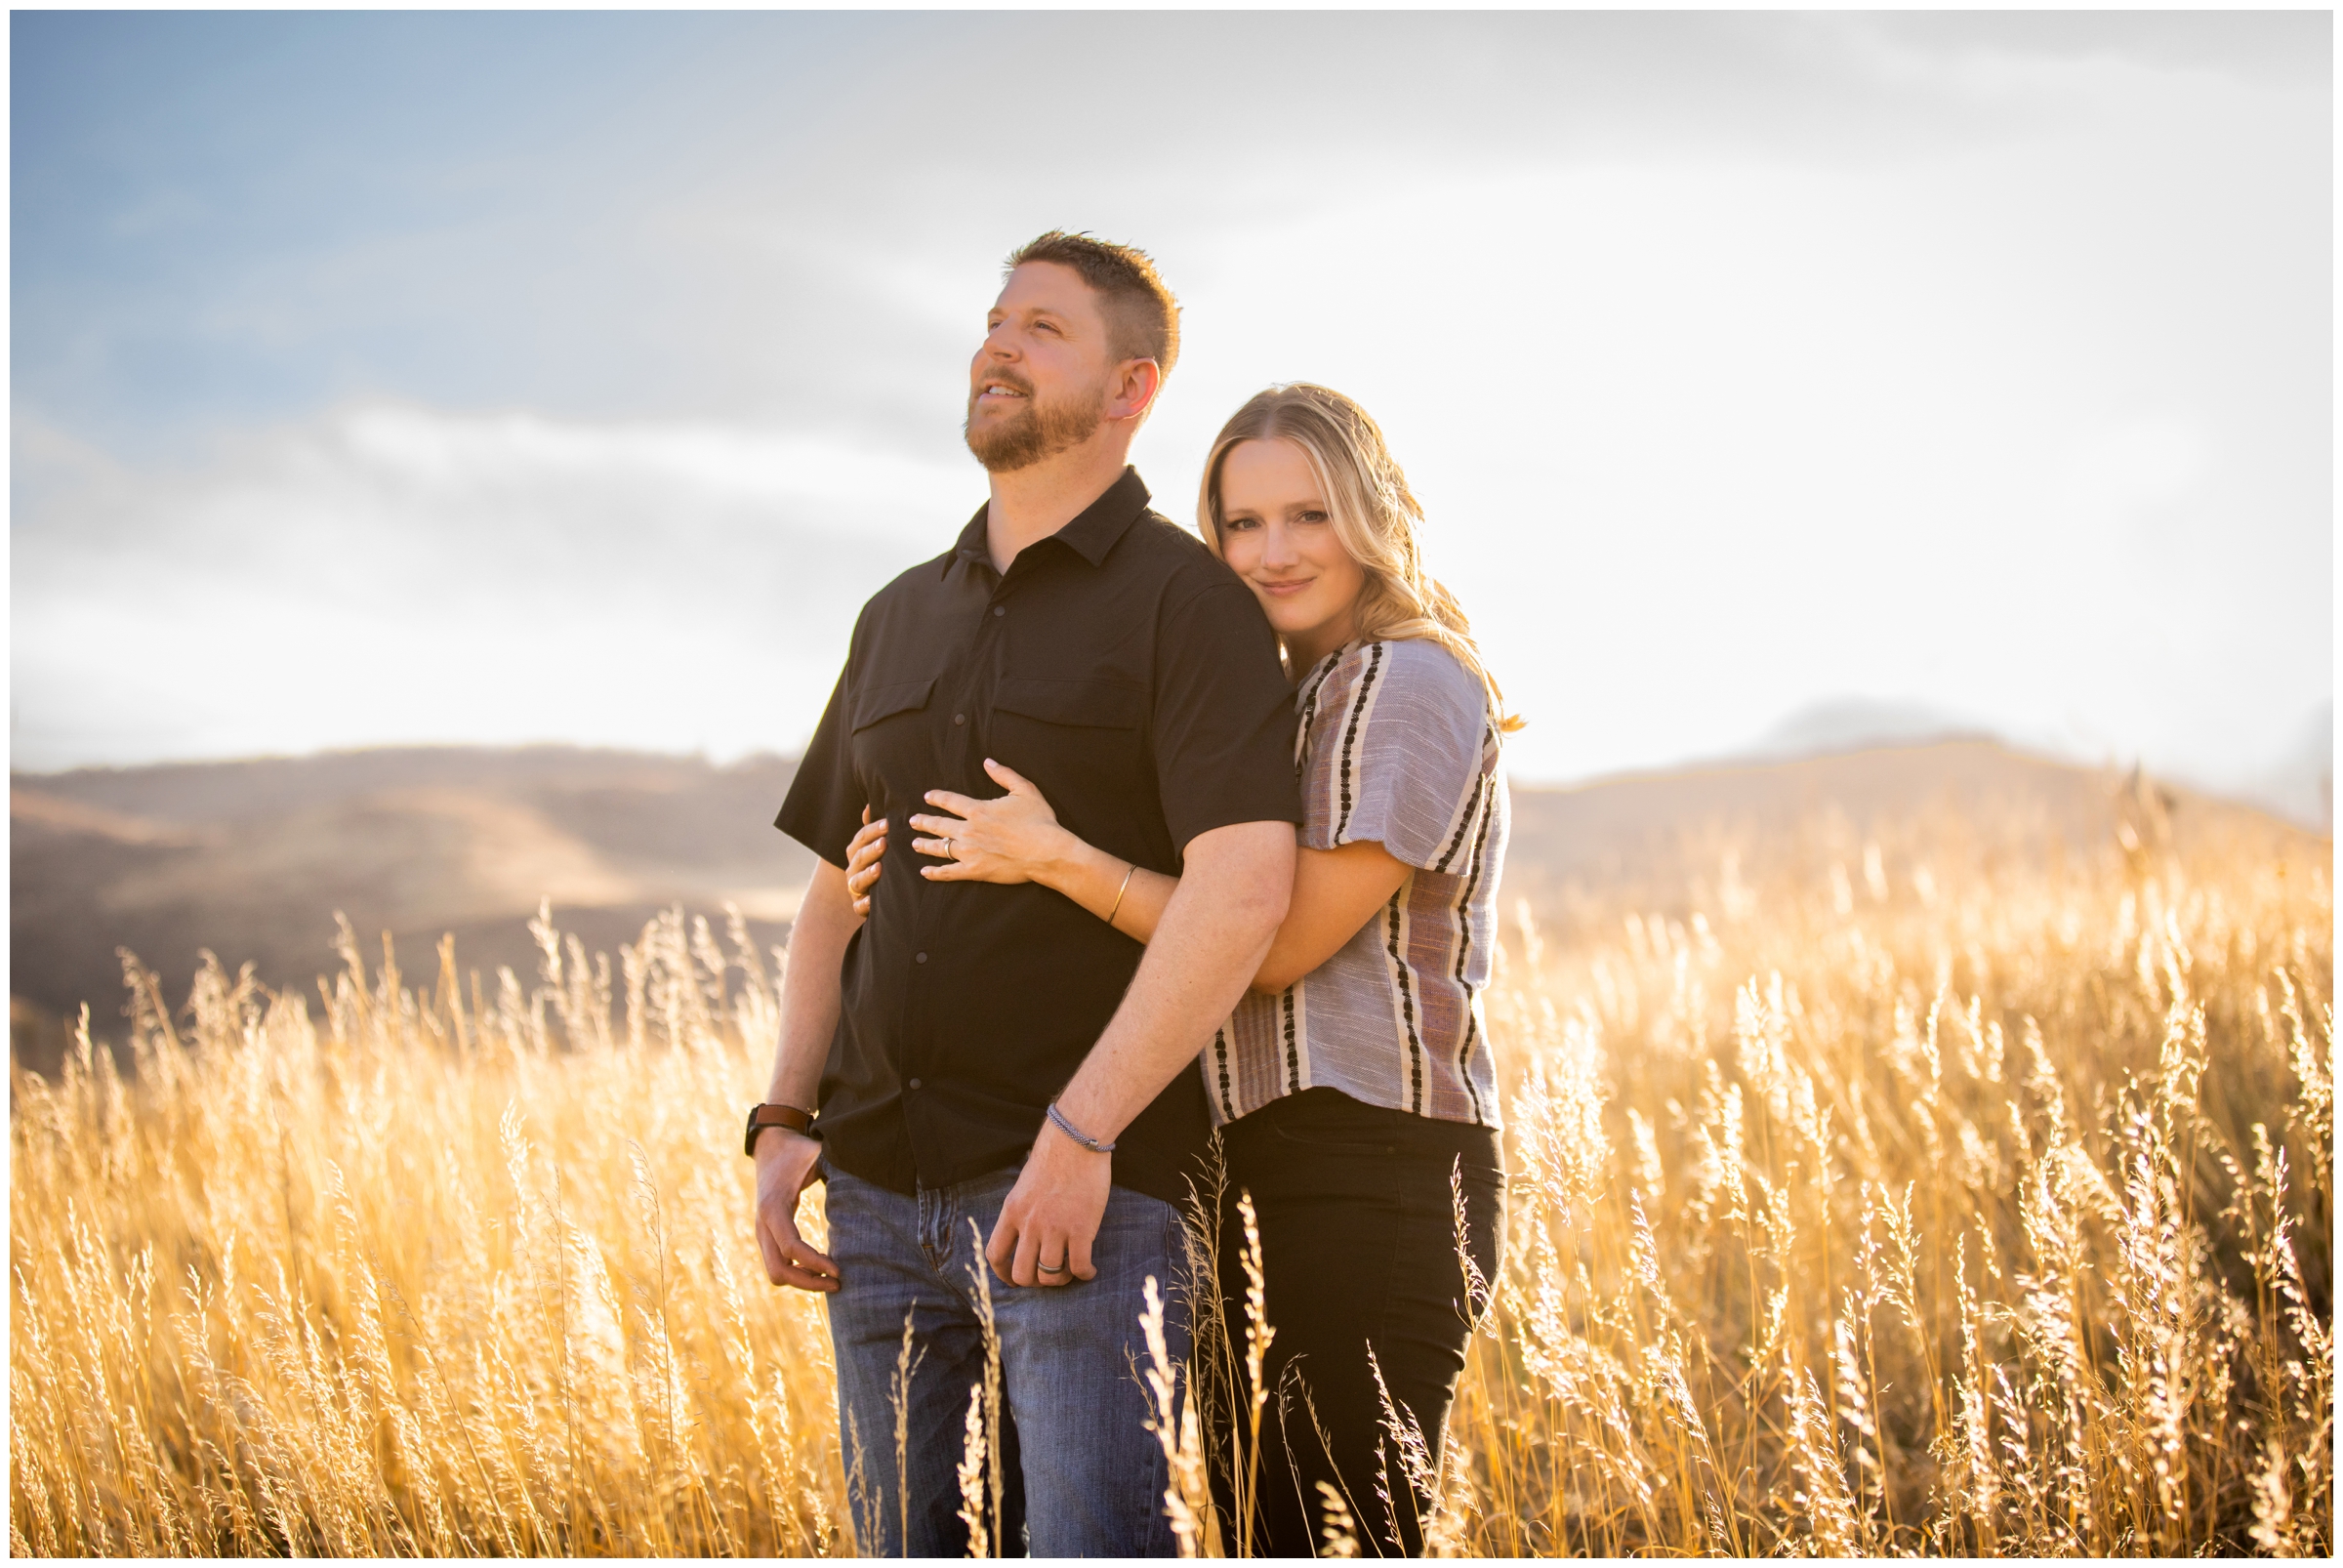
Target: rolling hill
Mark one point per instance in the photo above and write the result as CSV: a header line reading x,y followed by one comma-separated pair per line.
x,y
251,859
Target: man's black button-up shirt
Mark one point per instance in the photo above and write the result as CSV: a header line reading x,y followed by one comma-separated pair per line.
x,y
1130,676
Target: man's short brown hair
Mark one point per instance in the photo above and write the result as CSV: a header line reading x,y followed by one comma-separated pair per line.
x,y
1142,318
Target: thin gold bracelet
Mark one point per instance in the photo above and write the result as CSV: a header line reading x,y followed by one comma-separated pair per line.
x,y
1120,891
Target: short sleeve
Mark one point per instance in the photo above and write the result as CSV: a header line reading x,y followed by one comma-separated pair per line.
x,y
824,807
1407,772
1223,725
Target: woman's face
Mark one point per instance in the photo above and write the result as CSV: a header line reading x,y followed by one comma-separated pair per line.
x,y
1277,533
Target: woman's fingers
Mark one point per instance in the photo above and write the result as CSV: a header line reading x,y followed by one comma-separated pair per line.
x,y
990,840
863,854
954,862
1009,778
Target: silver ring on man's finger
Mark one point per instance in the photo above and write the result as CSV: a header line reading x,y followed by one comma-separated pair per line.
x,y
1063,1267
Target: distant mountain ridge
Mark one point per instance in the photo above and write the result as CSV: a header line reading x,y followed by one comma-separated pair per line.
x,y
251,859
1859,724
2297,782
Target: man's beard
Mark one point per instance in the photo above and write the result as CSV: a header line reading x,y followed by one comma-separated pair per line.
x,y
1035,433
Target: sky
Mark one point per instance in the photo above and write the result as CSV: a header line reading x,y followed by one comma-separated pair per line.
x,y
434,377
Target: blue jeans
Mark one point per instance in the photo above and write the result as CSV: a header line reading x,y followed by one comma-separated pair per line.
x,y
1079,1473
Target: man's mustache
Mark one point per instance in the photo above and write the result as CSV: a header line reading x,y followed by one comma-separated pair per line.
x,y
1014,383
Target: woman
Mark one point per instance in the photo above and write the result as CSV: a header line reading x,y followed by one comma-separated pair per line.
x,y
1354,1083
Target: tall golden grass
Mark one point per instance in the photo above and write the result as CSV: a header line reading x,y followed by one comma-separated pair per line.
x,y
1934,1204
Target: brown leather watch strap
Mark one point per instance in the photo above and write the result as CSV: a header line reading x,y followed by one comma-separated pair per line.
x,y
761,1117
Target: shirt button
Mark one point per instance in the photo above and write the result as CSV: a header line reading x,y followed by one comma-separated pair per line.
x,y
915,1083
960,719
918,957
1000,610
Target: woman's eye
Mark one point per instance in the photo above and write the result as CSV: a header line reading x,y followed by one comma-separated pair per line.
x,y
1311,516
1240,524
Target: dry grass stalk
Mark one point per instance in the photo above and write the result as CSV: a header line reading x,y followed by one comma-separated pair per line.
x,y
394,1270
1174,1417
1964,1229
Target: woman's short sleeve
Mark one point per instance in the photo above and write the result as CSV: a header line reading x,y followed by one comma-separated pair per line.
x,y
1399,735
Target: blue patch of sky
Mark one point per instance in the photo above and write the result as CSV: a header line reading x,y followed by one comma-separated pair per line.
x,y
218,217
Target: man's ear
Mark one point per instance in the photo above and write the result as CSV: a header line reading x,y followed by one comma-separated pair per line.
x,y
1137,383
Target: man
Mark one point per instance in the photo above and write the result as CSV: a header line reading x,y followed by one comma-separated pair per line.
x,y
993,1063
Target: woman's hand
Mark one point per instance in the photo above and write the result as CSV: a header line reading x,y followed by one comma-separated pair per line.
x,y
1013,838
863,852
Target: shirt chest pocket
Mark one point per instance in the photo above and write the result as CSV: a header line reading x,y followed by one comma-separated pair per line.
x,y
892,737
1080,740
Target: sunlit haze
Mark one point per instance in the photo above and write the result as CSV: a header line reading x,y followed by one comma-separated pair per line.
x,y
472,378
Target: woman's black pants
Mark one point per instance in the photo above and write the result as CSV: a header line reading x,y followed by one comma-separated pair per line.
x,y
1358,1233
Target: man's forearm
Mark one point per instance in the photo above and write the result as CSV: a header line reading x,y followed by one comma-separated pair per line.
x,y
809,988
1208,945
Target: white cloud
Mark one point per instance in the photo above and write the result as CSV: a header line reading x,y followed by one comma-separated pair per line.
x,y
391,572
1704,444
1745,362
451,455
2133,466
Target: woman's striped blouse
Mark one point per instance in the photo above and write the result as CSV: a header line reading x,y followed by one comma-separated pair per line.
x,y
1395,746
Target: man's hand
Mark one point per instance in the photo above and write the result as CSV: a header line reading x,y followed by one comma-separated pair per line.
x,y
785,1162
1052,1213
817,944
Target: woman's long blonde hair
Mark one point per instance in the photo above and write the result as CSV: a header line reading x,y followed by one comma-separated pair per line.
x,y
1376,516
